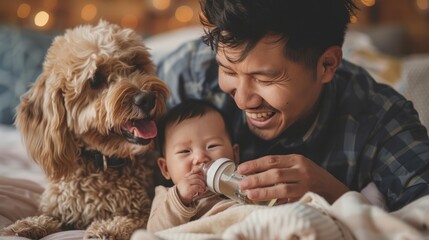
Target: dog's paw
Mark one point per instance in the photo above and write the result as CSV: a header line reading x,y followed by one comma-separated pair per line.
x,y
7,231
32,227
118,228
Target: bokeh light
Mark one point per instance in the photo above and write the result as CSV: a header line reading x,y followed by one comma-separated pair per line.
x,y
422,4
161,4
184,14
368,3
23,10
41,18
89,12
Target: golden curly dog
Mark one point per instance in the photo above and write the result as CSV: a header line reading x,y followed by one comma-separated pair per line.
x,y
89,122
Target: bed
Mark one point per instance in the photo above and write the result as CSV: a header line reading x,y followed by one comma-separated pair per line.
x,y
354,215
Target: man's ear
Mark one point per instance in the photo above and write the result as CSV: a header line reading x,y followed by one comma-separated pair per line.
x,y
236,152
162,164
328,63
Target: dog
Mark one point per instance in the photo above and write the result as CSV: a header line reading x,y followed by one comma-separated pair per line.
x,y
89,121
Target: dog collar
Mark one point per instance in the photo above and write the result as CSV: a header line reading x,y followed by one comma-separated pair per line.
x,y
103,161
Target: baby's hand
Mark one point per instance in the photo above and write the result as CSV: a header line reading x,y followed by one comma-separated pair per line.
x,y
192,185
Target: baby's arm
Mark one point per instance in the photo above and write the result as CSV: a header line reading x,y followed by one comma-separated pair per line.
x,y
168,210
191,186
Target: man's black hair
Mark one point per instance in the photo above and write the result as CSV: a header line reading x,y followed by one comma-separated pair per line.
x,y
308,27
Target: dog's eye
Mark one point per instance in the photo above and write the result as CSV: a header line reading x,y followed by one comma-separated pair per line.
x,y
98,80
135,67
142,63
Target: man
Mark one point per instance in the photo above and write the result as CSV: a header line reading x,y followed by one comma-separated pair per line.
x,y
305,119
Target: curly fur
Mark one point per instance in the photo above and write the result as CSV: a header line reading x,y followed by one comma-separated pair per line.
x,y
80,102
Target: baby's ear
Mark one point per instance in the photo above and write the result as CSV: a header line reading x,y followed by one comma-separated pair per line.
x,y
236,152
162,164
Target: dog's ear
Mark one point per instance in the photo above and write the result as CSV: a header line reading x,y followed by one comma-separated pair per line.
x,y
42,120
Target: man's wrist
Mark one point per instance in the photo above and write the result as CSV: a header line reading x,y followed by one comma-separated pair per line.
x,y
337,192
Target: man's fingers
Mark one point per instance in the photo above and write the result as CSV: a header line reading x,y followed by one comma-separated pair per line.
x,y
270,178
267,162
282,192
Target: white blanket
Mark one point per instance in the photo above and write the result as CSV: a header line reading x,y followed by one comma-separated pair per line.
x,y
350,217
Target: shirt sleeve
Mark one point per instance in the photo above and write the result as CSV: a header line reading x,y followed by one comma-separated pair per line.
x,y
191,71
167,210
401,169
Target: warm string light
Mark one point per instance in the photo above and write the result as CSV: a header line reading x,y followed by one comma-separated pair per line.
x,y
23,10
368,3
88,12
46,16
184,14
41,19
161,4
422,4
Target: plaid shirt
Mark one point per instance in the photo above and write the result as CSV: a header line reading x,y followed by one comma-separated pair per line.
x,y
365,131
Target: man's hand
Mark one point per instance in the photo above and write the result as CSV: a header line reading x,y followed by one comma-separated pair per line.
x,y
190,186
288,178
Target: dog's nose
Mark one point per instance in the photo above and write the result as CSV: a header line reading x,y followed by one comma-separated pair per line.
x,y
145,101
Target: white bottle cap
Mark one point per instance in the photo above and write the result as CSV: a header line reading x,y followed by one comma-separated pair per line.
x,y
215,171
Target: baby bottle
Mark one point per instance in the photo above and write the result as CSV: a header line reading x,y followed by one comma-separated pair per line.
x,y
222,178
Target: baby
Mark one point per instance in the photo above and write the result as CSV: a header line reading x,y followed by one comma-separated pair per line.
x,y
192,133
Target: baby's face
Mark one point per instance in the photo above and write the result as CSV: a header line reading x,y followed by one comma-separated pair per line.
x,y
195,141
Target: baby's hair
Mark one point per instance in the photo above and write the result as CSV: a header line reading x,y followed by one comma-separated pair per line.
x,y
187,109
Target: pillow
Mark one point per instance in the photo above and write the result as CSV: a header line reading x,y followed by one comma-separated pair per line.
x,y
161,45
359,49
21,58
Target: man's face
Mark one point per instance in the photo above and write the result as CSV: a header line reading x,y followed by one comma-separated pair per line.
x,y
274,92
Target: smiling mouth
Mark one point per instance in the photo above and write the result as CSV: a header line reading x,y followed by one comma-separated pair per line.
x,y
139,131
260,117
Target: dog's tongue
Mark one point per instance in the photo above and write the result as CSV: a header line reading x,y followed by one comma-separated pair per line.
x,y
145,129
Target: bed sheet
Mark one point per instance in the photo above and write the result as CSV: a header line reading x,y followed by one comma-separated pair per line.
x,y
14,160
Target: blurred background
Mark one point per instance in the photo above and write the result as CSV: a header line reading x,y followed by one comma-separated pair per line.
x,y
148,16
408,18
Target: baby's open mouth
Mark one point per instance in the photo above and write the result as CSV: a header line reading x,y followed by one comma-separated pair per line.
x,y
139,131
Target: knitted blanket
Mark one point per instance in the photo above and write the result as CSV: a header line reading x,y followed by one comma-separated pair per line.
x,y
350,217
